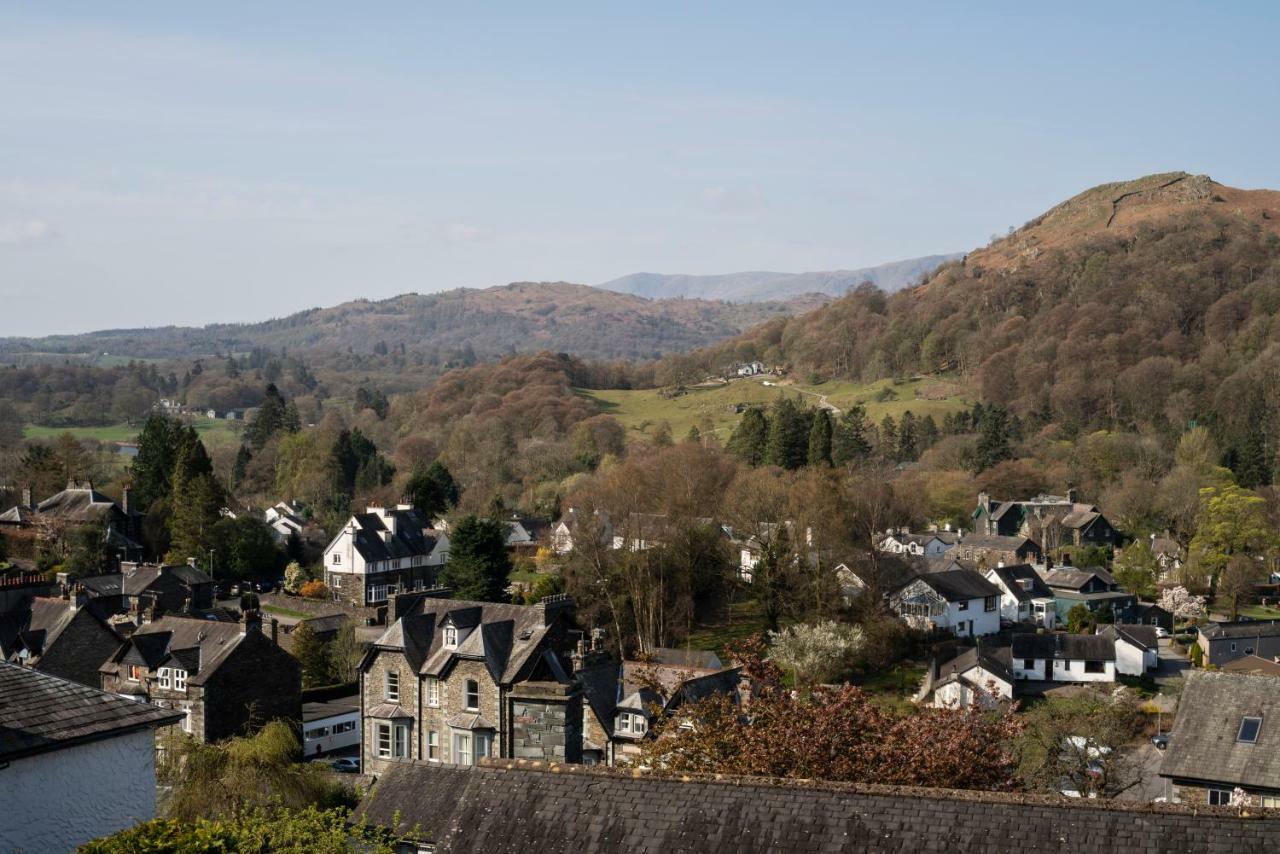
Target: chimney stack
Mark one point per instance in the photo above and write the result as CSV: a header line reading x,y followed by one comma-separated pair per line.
x,y
252,621
275,631
77,598
26,497
124,500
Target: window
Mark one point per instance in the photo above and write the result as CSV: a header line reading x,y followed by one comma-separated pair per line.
x,y
392,692
632,723
344,726
1233,647
1028,664
433,691
914,609
335,581
164,677
1219,797
186,722
462,749
989,604
473,695
1249,730
1248,650
433,745
451,637
1270,802
337,558
179,679
393,741
135,673
963,605
1095,667
318,732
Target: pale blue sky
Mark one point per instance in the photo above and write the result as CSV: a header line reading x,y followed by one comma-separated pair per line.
x,y
161,163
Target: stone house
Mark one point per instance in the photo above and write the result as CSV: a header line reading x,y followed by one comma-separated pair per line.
x,y
226,678
453,681
180,589
1226,737
77,763
68,636
1052,520
380,553
1225,642
77,505
988,550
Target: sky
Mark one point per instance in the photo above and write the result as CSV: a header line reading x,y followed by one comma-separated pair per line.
x,y
167,163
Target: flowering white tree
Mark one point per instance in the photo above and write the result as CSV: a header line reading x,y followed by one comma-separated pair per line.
x,y
1180,603
815,652
1239,798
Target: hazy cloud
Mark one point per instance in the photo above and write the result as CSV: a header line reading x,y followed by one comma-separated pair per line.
x,y
733,200
460,232
24,232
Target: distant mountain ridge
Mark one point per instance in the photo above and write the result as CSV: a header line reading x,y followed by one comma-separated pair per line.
x,y
517,318
761,286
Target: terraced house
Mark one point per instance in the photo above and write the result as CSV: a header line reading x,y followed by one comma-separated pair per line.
x,y
380,553
453,681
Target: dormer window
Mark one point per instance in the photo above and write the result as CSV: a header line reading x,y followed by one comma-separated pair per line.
x,y
632,723
179,679
1026,584
451,637
1249,727
135,673
164,677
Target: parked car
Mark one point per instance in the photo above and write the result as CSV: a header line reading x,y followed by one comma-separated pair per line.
x,y
1160,741
1162,632
346,765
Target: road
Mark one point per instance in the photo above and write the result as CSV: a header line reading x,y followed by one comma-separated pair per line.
x,y
823,403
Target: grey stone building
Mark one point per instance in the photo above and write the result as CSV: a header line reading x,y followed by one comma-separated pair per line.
x,y
1225,642
452,681
65,636
228,678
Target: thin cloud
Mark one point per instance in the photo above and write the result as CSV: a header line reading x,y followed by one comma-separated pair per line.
x,y
26,232
460,232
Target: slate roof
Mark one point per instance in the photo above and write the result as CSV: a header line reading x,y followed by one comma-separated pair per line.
x,y
1251,629
199,646
1063,647
505,637
1255,664
1203,743
18,514
1073,578
944,671
996,542
959,585
1143,637
77,503
512,807
136,579
408,540
40,713
38,626
1013,576
693,659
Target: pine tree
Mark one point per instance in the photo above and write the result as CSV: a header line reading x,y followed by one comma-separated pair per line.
x,y
907,444
993,439
820,439
241,467
478,566
270,419
928,433
888,437
849,437
750,437
195,500
432,490
1254,456
788,443
151,471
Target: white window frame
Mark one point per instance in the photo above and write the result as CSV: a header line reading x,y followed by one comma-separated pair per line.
x,y
1219,797
450,637
472,707
179,679
337,558
134,672
1257,732
162,677
462,749
391,686
433,746
433,692
392,741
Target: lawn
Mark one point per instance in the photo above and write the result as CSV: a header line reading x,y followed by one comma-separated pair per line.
x,y
894,688
286,612
212,430
744,619
640,409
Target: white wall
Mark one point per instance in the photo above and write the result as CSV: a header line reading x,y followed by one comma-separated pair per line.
x,y
1073,671
1036,673
984,622
56,801
977,686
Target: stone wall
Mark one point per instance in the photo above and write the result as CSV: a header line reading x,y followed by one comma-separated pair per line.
x,y
546,722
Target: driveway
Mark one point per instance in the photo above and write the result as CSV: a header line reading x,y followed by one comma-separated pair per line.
x,y
1150,785
1172,665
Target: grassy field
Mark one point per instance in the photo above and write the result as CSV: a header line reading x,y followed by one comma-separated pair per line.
x,y
211,430
640,410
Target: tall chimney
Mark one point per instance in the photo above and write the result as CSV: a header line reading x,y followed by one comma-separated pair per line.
x,y
124,500
26,497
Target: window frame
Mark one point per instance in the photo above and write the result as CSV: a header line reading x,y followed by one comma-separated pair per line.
x,y
470,693
1095,666
162,678
134,672
391,686
1245,720
179,679
433,745
450,637
1218,797
433,692
463,749
337,559
990,603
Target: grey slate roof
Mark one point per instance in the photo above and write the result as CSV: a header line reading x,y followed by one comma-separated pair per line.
x,y
996,542
1014,575
509,807
1203,744
1252,629
408,540
943,672
1074,578
1140,636
41,713
200,646
1063,647
957,585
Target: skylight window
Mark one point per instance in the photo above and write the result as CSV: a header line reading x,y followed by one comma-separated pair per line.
x,y
1249,730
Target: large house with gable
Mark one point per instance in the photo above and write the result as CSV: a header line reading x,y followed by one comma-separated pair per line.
x,y
956,600
1052,520
380,553
453,681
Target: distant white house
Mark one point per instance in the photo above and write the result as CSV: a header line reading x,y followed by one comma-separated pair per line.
x,y
382,552
1137,647
1063,658
956,600
749,369
928,545
284,519
975,677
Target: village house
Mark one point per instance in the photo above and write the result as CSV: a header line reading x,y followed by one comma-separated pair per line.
x,y
1052,520
180,589
1137,648
330,726
1225,642
380,553
1093,587
987,550
285,520
956,600
930,545
453,681
1151,614
975,677
76,763
225,678
1168,553
67,636
623,701
1062,657
1225,745
1024,597
78,505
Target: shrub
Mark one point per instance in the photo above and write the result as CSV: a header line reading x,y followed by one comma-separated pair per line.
x,y
314,590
